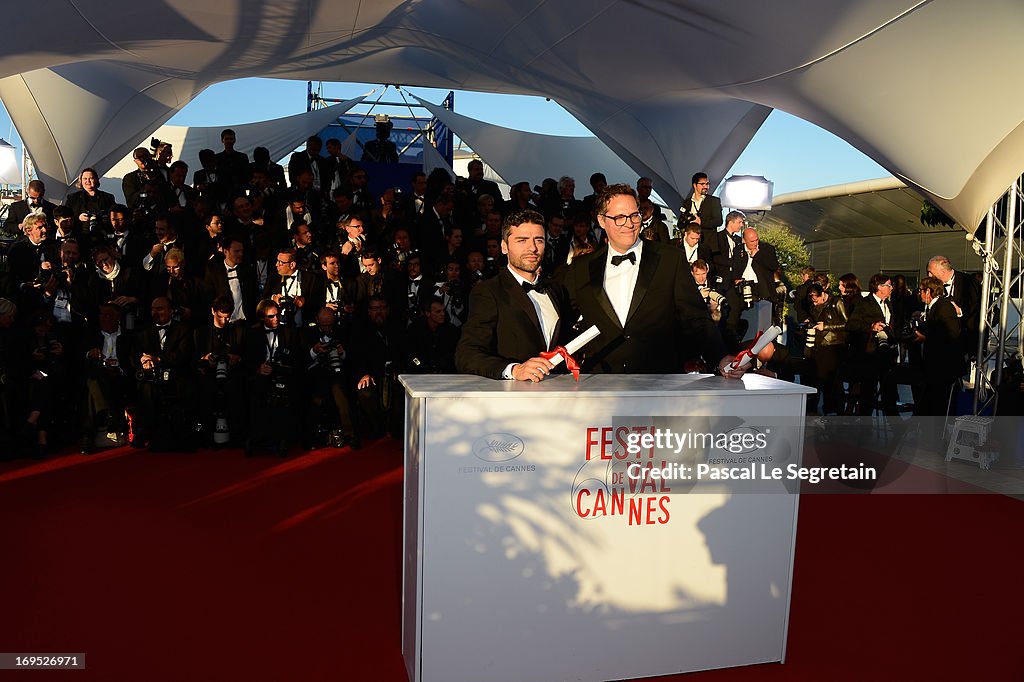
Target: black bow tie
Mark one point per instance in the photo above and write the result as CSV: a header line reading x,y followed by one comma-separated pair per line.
x,y
163,326
271,331
631,257
540,287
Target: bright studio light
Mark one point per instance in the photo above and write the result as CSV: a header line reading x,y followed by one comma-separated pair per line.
x,y
748,193
10,174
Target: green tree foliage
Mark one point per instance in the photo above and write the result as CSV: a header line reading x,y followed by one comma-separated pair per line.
x,y
791,249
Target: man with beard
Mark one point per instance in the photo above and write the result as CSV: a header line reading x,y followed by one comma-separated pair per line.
x,y
702,208
378,352
515,316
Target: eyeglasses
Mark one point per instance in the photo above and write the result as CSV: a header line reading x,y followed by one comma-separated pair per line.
x,y
284,262
621,220
887,284
270,316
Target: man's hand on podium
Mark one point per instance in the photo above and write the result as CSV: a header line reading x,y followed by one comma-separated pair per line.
x,y
725,371
534,369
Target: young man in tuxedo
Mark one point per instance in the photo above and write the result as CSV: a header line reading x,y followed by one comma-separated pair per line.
x,y
641,296
516,315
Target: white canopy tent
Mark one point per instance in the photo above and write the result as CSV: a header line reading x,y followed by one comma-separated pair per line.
x,y
280,136
516,155
924,87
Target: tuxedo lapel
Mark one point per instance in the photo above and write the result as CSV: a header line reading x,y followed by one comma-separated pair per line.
x,y
598,263
517,298
648,266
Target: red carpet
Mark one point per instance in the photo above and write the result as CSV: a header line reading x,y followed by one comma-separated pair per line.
x,y
211,566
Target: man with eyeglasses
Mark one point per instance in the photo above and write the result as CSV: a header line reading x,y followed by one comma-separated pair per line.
x,y
289,287
939,334
641,296
874,346
271,356
702,207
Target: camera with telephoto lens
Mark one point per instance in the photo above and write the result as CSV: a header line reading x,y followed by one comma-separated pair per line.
x,y
746,288
220,366
331,358
93,222
883,341
286,309
280,378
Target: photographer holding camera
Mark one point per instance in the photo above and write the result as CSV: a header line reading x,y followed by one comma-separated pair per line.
x,y
825,335
874,346
163,369
327,375
289,288
219,347
108,382
30,260
147,170
270,359
89,205
938,331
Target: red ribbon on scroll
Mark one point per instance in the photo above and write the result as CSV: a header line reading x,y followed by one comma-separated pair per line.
x,y
570,362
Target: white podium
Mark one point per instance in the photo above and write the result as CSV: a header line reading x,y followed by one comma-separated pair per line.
x,y
531,553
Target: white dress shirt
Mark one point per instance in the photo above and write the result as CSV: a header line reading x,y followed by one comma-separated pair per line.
x,y
546,314
620,280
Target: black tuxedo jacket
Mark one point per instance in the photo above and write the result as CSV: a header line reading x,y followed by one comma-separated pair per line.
x,y
233,168
503,326
134,247
287,352
942,352
317,296
710,214
215,283
177,353
23,260
725,256
863,316
300,161
667,324
125,348
19,210
209,339
766,262
307,280
967,295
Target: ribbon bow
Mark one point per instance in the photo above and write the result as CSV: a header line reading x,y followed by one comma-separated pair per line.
x,y
570,361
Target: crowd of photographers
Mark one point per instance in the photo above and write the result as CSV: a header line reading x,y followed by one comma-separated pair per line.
x,y
267,306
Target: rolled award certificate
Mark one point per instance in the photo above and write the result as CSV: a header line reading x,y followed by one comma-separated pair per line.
x,y
577,343
745,357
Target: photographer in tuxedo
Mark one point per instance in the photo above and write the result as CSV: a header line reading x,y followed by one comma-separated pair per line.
x,y
327,374
939,334
642,297
271,358
109,385
218,348
516,315
874,346
163,362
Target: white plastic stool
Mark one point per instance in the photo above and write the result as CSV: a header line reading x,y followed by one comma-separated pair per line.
x,y
969,434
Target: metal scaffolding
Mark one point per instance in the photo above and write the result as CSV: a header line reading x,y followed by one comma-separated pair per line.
x,y
1002,290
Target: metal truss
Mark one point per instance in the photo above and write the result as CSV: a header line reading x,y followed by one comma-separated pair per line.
x,y
1002,291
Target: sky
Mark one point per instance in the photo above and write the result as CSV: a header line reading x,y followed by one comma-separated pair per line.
x,y
792,153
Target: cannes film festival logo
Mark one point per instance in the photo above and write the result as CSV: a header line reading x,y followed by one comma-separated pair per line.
x,y
498,447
